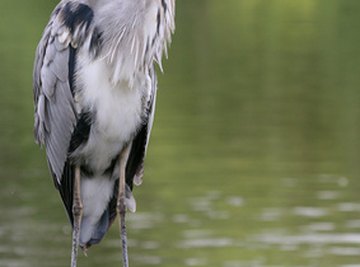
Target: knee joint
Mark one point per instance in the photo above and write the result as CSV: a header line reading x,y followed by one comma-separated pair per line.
x,y
77,210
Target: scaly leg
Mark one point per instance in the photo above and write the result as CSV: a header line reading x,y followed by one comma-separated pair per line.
x,y
121,207
77,215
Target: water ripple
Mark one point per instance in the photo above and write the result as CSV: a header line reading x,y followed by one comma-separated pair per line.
x,y
310,212
207,243
313,238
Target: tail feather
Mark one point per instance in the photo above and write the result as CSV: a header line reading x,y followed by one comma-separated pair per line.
x,y
93,230
98,231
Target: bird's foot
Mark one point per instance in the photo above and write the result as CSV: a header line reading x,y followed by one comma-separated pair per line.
x,y
84,249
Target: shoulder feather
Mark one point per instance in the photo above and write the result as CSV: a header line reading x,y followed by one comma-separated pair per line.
x,y
69,28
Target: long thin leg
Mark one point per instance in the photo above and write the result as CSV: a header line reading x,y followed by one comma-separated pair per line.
x,y
121,207
77,215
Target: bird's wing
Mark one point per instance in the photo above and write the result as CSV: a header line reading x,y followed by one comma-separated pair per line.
x,y
53,82
135,165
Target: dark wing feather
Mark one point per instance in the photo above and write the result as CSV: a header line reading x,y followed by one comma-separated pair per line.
x,y
135,165
55,113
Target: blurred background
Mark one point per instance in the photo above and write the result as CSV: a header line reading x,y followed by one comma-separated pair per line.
x,y
254,156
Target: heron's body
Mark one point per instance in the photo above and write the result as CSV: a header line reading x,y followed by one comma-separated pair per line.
x,y
94,91
112,107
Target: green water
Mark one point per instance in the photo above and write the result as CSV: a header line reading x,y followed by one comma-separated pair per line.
x,y
255,151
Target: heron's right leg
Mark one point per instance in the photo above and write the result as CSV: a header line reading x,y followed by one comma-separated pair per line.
x,y
121,207
77,210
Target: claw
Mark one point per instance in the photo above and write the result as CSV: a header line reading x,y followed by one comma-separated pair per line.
x,y
130,202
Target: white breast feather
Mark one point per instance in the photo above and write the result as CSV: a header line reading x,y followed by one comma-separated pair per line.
x,y
117,109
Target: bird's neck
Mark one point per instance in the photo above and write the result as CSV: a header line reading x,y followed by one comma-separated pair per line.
x,y
135,33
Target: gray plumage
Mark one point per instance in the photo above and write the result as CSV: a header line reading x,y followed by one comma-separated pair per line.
x,y
94,94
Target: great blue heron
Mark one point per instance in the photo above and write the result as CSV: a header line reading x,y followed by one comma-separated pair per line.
x,y
94,93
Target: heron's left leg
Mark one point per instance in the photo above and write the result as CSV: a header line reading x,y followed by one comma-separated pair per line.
x,y
121,207
77,216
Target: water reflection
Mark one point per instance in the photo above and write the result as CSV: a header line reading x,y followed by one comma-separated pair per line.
x,y
254,157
